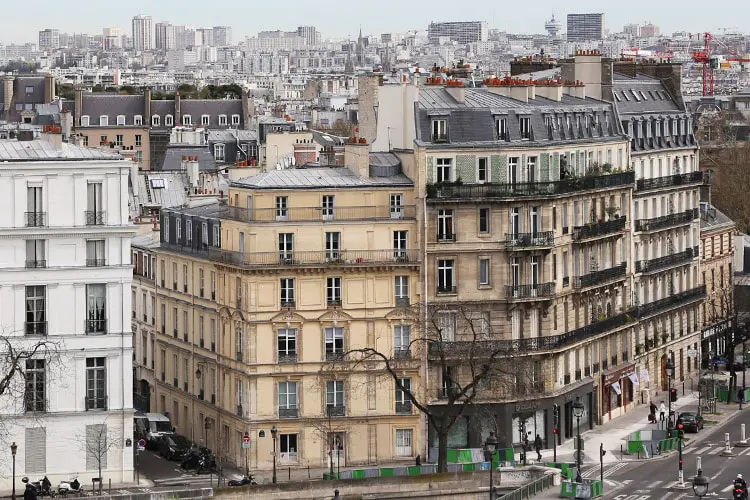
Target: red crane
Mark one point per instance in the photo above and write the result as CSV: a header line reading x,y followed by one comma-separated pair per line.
x,y
704,57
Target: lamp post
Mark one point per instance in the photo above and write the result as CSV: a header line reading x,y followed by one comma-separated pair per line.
x,y
522,436
490,445
670,374
700,482
578,413
274,431
13,449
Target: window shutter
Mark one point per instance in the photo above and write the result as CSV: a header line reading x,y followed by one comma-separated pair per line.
x,y
96,446
36,450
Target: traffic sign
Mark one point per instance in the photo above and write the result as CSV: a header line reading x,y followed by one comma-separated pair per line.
x,y
141,444
246,440
692,353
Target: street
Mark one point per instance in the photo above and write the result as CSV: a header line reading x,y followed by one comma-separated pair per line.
x,y
652,479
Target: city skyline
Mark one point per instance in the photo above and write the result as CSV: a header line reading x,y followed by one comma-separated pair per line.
x,y
22,25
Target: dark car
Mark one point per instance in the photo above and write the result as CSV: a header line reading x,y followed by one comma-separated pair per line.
x,y
174,447
691,422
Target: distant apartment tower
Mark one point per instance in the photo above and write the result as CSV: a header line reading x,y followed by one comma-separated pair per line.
x,y
111,38
206,36
222,36
143,33
585,27
649,30
462,31
310,34
165,36
49,39
632,29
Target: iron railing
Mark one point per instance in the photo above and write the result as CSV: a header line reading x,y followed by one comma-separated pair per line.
x,y
36,264
95,326
674,300
313,257
666,221
336,410
531,489
95,218
402,301
96,403
530,240
402,353
600,277
446,237
35,328
35,219
597,229
669,181
446,289
288,412
288,358
403,407
301,214
646,266
447,191
521,292
95,262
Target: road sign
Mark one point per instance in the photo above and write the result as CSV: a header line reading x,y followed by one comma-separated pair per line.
x,y
692,353
246,440
141,444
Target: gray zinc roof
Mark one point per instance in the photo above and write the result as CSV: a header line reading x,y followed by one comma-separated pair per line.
x,y
712,219
173,157
226,135
642,94
319,177
96,105
213,108
40,150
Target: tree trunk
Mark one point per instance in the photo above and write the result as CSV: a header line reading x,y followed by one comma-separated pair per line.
x,y
442,450
100,476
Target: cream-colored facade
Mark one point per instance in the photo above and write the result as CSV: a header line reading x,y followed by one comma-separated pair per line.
x,y
131,141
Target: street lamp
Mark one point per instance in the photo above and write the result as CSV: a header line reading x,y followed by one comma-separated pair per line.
x,y
13,449
490,445
670,374
273,436
700,484
578,413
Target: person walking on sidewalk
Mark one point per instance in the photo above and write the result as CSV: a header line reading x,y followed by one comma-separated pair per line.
x,y
662,411
538,447
741,396
652,412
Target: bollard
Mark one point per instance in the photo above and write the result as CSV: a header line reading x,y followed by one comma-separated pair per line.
x,y
743,442
308,472
727,451
110,486
289,473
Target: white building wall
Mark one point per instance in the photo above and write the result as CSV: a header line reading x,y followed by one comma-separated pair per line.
x,y
64,194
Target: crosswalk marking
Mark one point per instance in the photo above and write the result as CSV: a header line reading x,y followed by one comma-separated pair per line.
x,y
654,485
699,451
715,451
728,488
594,472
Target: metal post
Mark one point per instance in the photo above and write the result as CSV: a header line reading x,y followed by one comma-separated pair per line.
x,y
273,479
13,451
554,446
742,433
601,463
680,474
247,463
669,399
492,496
137,472
578,450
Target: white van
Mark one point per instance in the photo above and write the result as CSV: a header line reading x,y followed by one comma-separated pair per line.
x,y
150,426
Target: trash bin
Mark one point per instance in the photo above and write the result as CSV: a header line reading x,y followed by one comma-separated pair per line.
x,y
94,487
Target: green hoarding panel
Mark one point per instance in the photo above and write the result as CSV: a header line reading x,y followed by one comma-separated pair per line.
x,y
414,470
358,474
452,456
386,472
465,456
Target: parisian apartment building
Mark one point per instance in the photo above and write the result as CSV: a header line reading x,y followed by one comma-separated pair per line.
x,y
65,279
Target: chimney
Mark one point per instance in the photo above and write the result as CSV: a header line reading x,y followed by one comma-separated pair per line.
x,y
177,109
155,228
79,105
551,90
191,166
248,110
357,158
457,92
147,106
66,123
49,89
305,152
7,93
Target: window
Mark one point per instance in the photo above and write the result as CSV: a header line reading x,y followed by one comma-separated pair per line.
x,y
138,120
85,121
201,281
287,396
515,272
502,129
439,130
403,442
287,345
397,206
205,120
95,253
85,141
119,140
484,220
36,310
400,239
288,447
446,323
445,226
138,140
333,291
513,175
217,235
484,272
446,276
103,140
219,152
515,221
401,339
282,208
96,309
168,121
531,174
334,338
96,384
94,205
120,119
483,170
235,120
286,247
402,290
328,207
156,121
34,394
187,120
213,285
185,278
287,292
335,393
403,403
240,343
189,231
35,256
525,126
104,121
333,246
223,120
204,234
444,170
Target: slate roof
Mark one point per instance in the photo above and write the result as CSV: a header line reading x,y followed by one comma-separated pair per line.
x,y
40,150
318,177
173,157
213,108
712,219
642,94
232,135
173,194
327,140
96,105
21,97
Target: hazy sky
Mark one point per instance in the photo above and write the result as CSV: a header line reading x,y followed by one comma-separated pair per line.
x,y
341,18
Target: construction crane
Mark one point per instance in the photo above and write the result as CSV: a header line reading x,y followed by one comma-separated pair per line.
x,y
709,63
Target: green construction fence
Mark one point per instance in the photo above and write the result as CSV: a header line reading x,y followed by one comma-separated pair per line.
x,y
586,489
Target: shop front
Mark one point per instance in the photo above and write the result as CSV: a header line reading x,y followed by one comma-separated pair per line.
x,y
617,388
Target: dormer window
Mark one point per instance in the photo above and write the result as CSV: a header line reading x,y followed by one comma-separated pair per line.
x,y
187,120
617,97
223,120
205,120
168,121
525,127
625,95
156,121
104,121
637,99
502,129
643,96
120,120
440,130
138,120
85,120
235,120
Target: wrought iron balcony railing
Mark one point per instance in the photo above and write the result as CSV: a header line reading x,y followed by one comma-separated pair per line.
x,y
95,218
598,229
336,410
312,257
302,214
600,277
35,219
666,221
288,412
403,407
669,181
35,328
98,326
652,265
402,353
674,300
288,358
36,264
523,292
530,240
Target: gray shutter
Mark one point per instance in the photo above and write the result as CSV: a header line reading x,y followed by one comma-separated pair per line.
x,y
96,446
35,449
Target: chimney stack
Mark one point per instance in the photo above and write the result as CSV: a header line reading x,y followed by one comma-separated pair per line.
x,y
357,158
49,89
147,106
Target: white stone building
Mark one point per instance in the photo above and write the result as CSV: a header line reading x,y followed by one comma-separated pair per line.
x,y
65,278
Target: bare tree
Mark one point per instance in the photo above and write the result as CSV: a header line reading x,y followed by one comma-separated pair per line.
x,y
97,443
475,366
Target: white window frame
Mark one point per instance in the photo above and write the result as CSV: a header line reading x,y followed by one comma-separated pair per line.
x,y
501,125
483,172
404,442
187,120
156,121
446,268
222,120
439,130
401,337
524,126
219,149
138,120
235,120
169,121
444,164
484,271
121,120
85,121
205,120
104,121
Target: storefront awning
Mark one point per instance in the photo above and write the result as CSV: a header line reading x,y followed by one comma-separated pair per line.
x,y
615,374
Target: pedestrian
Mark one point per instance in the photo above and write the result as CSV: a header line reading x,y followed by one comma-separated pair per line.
x,y
741,396
418,460
652,412
662,411
30,492
538,447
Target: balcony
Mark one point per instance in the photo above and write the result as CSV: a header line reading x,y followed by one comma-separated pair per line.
x,y
240,413
95,262
537,239
674,300
452,191
529,292
36,264
475,349
288,358
288,304
95,218
336,410
403,407
402,302
35,328
676,259
322,257
316,214
666,221
600,277
334,355
669,181
240,356
333,302
446,290
599,229
446,237
402,353
35,219
95,326
96,403
288,412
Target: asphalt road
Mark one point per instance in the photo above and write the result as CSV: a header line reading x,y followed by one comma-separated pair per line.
x,y
654,479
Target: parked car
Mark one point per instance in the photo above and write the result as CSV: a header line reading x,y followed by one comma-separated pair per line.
x,y
690,421
174,447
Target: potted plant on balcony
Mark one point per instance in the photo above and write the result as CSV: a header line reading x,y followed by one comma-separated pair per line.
x,y
612,212
639,348
650,343
664,337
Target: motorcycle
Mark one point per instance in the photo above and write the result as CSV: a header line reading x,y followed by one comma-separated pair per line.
x,y
206,464
72,486
245,480
740,491
43,488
